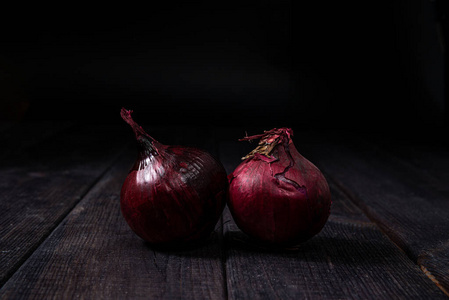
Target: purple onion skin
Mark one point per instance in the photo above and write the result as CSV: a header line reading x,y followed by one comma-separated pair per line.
x,y
280,198
172,194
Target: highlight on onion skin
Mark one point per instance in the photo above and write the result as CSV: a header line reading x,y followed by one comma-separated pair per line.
x,y
276,195
172,194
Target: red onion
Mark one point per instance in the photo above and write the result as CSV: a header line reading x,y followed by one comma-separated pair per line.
x,y
276,195
172,193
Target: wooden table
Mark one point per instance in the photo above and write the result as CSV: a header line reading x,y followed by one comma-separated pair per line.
x,y
63,235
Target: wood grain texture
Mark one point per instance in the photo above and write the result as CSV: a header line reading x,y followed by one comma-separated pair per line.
x,y
93,254
42,183
435,264
400,198
396,196
429,159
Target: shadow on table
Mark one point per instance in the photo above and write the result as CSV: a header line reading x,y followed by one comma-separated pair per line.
x,y
339,242
365,246
209,247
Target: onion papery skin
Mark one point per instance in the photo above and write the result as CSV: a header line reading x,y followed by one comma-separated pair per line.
x,y
279,196
173,194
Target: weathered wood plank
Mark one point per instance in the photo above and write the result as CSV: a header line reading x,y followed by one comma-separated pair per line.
x,y
391,193
93,254
429,159
398,197
435,264
42,183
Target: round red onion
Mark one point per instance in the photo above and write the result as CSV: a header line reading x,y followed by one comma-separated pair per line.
x,y
276,195
172,193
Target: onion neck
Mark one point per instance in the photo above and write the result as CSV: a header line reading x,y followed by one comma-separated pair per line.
x,y
148,145
268,141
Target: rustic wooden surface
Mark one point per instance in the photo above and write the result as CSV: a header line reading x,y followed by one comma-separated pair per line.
x,y
63,236
41,181
403,194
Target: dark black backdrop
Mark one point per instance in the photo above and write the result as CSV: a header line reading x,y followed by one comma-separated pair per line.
x,y
309,64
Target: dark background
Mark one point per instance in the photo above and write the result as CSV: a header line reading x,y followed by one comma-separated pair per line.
x,y
304,64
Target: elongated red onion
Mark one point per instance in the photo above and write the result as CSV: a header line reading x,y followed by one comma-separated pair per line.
x,y
172,193
276,195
